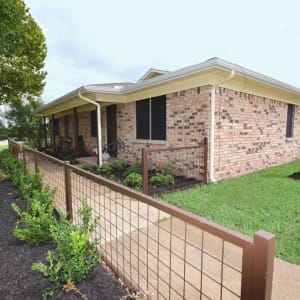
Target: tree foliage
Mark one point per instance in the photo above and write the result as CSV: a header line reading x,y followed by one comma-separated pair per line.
x,y
23,123
22,53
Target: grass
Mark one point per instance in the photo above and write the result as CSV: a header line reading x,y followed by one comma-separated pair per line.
x,y
267,200
3,147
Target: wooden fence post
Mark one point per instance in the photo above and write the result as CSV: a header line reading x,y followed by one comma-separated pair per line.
x,y
24,159
145,170
205,158
68,190
36,167
263,261
257,270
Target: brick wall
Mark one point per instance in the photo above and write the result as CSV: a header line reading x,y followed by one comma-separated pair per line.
x,y
84,129
250,133
187,124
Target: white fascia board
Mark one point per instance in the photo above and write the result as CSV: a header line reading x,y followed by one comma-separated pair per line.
x,y
209,64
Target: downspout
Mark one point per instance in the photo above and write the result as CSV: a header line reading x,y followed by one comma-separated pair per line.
x,y
212,126
98,125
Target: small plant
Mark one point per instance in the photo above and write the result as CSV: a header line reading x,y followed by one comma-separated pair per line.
x,y
133,180
135,168
105,169
162,179
119,165
35,222
167,167
74,255
87,166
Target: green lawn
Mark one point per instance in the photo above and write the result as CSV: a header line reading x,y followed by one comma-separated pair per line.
x,y
267,199
3,147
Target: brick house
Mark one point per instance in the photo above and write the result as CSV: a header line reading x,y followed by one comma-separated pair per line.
x,y
251,121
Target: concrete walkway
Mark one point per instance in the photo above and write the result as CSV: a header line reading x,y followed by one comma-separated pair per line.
x,y
160,252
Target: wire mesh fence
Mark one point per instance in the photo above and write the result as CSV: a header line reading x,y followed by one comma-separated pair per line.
x,y
158,249
188,165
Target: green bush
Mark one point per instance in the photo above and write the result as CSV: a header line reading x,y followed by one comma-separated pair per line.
x,y
119,165
35,222
133,180
162,179
74,256
105,169
25,181
135,168
167,167
88,167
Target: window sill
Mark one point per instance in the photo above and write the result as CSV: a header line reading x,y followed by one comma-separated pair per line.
x,y
152,142
289,139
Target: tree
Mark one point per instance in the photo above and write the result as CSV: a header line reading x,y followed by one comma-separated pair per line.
x,y
23,123
3,131
22,53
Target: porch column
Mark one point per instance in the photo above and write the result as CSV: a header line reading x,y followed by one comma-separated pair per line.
x,y
52,133
45,131
99,160
75,132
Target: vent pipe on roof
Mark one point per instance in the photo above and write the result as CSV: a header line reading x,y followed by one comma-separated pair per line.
x,y
98,124
212,126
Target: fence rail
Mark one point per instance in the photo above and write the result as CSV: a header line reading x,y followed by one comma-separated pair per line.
x,y
158,248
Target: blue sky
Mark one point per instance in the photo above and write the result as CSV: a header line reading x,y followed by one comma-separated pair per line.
x,y
97,41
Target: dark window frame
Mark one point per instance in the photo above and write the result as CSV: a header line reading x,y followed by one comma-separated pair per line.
x,y
94,120
151,121
290,120
56,127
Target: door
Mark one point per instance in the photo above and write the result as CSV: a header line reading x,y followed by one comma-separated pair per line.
x,y
111,125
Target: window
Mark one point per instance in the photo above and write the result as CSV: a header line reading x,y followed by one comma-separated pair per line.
x,y
66,126
290,120
151,118
56,127
94,127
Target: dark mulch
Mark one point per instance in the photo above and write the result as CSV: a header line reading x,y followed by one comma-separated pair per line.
x,y
296,176
18,281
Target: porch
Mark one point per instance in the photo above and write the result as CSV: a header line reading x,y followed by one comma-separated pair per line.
x,y
83,130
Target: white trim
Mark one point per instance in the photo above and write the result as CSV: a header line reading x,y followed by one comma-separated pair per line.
x,y
98,124
169,76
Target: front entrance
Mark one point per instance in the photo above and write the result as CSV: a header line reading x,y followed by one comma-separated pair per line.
x,y
111,125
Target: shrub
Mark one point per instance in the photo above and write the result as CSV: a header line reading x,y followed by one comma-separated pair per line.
x,y
105,169
87,166
167,167
133,180
162,179
28,183
74,256
35,222
135,168
119,165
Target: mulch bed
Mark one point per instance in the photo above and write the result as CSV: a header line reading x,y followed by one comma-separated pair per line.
x,y
296,176
18,281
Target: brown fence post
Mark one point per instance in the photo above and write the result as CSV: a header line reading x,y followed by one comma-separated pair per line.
x,y
24,158
145,170
263,261
205,167
36,166
68,190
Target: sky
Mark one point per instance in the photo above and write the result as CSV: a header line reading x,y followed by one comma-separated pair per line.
x,y
99,41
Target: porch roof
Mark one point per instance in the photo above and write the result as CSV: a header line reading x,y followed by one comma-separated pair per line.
x,y
210,72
